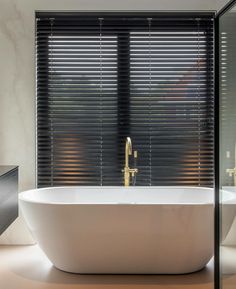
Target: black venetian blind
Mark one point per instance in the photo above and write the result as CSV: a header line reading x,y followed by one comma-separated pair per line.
x,y
101,78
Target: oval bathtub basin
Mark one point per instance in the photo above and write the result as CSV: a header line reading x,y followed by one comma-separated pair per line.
x,y
118,230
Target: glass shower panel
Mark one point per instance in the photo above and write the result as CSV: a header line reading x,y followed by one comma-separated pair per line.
x,y
227,38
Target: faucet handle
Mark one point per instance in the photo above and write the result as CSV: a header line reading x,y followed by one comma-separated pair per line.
x,y
133,172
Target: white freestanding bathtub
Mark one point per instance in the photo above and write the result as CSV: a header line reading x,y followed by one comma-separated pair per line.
x,y
134,230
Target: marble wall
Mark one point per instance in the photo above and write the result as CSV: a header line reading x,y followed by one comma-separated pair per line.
x,y
17,79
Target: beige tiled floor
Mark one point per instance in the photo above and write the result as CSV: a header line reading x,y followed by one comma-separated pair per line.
x,y
26,267
228,267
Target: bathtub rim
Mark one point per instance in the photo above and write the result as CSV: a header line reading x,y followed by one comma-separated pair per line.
x,y
23,197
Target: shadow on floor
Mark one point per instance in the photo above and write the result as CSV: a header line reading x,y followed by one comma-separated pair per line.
x,y
37,267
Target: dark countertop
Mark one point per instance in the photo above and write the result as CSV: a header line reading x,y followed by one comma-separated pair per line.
x,y
6,169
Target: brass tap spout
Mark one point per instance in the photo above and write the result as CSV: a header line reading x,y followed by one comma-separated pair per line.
x,y
127,170
128,151
232,173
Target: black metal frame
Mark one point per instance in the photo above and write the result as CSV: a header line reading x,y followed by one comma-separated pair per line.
x,y
226,8
217,146
154,14
216,162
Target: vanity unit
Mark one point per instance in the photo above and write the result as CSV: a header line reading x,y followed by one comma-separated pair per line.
x,y
8,196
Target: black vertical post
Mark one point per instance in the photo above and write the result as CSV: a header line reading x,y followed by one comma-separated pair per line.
x,y
217,161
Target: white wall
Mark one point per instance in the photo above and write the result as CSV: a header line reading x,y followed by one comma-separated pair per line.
x,y
17,77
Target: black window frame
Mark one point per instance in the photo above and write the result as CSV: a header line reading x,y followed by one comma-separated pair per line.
x,y
124,91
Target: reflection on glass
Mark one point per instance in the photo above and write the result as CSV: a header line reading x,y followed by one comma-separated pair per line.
x,y
228,148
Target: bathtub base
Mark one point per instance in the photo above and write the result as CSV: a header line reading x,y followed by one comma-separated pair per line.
x,y
132,240
108,272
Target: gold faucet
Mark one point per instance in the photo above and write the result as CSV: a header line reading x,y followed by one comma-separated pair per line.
x,y
232,173
127,170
